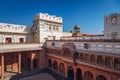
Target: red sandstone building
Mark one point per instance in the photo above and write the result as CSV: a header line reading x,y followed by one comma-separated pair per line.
x,y
76,57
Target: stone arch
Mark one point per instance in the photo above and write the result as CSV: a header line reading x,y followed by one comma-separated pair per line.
x,y
100,60
66,52
88,76
68,49
79,74
92,59
71,45
49,63
62,68
81,56
100,77
55,65
87,57
108,62
117,63
70,73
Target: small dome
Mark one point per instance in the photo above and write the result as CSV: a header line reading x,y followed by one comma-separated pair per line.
x,y
76,27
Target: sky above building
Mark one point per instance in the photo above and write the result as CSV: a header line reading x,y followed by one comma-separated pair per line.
x,y
89,14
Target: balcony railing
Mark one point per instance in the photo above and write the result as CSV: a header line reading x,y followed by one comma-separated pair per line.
x,y
88,62
4,48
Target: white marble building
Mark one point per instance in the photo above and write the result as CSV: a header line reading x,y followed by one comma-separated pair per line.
x,y
112,26
49,27
12,33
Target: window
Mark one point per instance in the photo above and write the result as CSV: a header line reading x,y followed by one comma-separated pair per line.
x,y
85,46
81,56
108,62
21,40
57,28
8,40
49,27
92,59
86,57
107,20
100,60
53,44
114,19
114,35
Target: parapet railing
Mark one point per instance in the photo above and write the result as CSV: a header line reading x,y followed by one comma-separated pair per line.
x,y
88,40
20,43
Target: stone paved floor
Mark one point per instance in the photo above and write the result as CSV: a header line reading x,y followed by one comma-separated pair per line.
x,y
41,76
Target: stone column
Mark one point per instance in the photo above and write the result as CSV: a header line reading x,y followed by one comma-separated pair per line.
x,y
31,64
65,70
19,63
2,66
74,73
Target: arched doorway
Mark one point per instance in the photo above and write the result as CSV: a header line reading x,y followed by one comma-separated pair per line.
x,y
35,63
108,62
62,68
100,77
117,63
28,63
55,65
8,62
79,74
70,73
49,63
88,76
100,60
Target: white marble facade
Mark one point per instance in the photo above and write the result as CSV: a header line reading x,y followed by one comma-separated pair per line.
x,y
50,27
112,26
12,33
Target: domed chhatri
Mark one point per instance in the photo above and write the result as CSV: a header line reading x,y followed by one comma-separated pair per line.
x,y
76,27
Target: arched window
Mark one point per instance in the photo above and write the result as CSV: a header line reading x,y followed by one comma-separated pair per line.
x,y
49,63
117,63
92,59
79,74
88,76
108,62
62,68
55,65
81,56
100,77
70,73
100,60
67,53
76,55
86,57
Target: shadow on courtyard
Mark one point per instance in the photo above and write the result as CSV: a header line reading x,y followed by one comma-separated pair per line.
x,y
55,75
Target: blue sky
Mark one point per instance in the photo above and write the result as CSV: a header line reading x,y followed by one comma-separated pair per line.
x,y
89,14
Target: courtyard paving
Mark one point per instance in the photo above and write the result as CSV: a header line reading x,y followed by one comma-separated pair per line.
x,y
41,76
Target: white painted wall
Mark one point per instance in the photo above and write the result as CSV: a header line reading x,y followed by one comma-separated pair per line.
x,y
14,37
5,27
110,27
105,47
